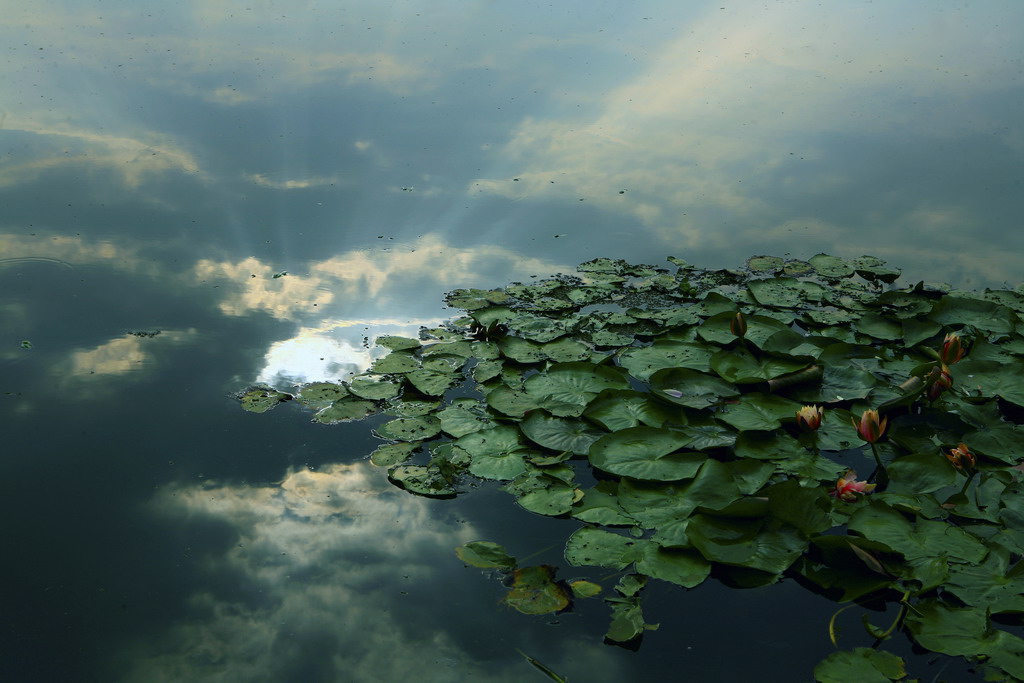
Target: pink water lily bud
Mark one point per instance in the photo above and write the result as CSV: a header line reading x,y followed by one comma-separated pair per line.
x,y
738,325
942,381
848,488
870,428
809,418
952,349
961,457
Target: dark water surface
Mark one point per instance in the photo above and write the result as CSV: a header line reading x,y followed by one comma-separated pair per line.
x,y
162,162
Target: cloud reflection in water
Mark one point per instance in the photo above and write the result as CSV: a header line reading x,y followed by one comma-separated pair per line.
x,y
336,575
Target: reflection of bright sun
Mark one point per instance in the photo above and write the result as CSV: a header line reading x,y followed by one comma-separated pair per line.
x,y
312,357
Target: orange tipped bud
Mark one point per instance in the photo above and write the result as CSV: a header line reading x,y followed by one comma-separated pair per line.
x,y
961,457
941,381
738,325
953,349
809,418
870,428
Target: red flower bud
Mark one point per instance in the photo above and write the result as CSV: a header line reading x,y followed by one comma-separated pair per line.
x,y
738,325
870,428
952,349
961,457
809,418
942,381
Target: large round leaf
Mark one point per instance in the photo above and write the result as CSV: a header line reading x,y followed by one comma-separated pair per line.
x,y
645,453
691,388
560,434
566,389
534,591
598,548
346,410
991,378
758,412
421,480
410,428
742,367
645,361
616,409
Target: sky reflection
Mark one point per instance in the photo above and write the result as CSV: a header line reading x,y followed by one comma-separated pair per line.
x,y
162,162
336,575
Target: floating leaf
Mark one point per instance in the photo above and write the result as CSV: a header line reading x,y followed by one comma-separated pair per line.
x,y
566,388
831,266
397,343
645,453
618,409
321,394
262,399
485,555
534,591
585,589
374,389
691,388
560,434
345,410
758,411
391,454
422,481
863,665
645,361
394,363
410,428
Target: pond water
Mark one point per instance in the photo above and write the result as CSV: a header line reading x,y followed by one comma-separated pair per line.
x,y
199,196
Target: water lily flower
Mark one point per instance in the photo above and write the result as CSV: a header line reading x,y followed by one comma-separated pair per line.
x,y
738,325
961,457
870,428
809,418
952,349
848,488
943,380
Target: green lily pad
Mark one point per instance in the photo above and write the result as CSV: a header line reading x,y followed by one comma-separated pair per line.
x,y
410,428
397,343
391,454
560,434
459,421
262,399
831,266
396,362
758,411
566,388
618,409
534,591
422,481
644,362
645,453
345,410
862,664
373,389
691,388
485,555
321,394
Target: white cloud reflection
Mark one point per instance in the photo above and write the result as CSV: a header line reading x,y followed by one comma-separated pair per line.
x,y
130,353
59,144
706,139
345,579
406,280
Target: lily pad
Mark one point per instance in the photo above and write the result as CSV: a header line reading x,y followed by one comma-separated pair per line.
x,y
645,453
560,434
485,555
534,591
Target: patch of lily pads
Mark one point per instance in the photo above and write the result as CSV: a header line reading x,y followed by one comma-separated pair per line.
x,y
809,420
